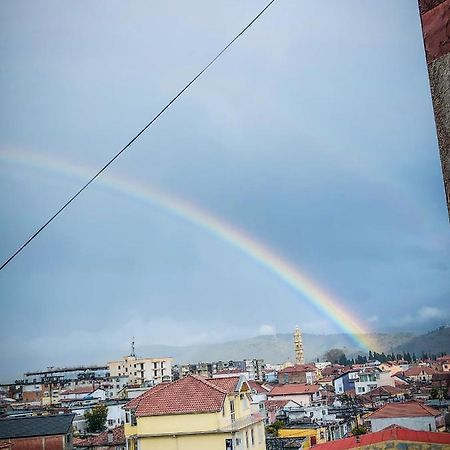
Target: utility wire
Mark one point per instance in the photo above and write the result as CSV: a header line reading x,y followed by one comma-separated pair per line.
x,y
137,135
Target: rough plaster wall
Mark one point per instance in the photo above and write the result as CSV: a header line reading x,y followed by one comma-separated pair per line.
x,y
439,72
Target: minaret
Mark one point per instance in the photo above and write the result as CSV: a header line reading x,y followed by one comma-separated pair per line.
x,y
298,346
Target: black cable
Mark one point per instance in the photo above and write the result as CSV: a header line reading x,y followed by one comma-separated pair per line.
x,y
136,136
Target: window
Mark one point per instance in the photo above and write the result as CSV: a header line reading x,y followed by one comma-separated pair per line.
x,y
233,416
252,436
246,439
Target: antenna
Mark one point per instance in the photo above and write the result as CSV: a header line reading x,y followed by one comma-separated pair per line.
x,y
133,350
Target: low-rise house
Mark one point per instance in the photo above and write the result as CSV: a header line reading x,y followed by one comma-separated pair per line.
x,y
412,414
444,363
303,394
345,382
420,374
83,393
273,407
113,439
394,437
382,395
38,432
312,433
299,373
195,413
258,394
441,382
369,379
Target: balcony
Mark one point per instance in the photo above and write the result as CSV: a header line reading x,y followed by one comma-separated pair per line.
x,y
237,425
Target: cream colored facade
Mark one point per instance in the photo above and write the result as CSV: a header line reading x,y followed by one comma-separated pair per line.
x,y
200,431
141,370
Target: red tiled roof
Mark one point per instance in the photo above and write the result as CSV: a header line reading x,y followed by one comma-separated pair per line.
x,y
81,390
417,370
294,389
260,389
298,368
392,433
191,394
275,405
407,409
385,390
228,384
118,438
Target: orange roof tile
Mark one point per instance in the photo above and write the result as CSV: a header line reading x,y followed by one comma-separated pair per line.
x,y
406,409
298,368
417,370
189,395
294,389
392,433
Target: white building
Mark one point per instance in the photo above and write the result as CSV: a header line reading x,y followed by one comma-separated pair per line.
x,y
412,415
371,379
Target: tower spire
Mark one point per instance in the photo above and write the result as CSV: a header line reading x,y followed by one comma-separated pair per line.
x,y
298,346
133,351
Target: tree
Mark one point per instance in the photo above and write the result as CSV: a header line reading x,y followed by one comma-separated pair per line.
x,y
96,419
335,355
273,429
359,430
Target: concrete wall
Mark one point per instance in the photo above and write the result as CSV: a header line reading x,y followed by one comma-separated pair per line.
x,y
414,423
435,17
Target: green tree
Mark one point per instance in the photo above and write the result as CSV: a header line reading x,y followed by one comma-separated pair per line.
x,y
334,355
359,430
273,429
96,419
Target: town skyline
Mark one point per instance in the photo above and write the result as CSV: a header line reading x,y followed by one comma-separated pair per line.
x,y
316,145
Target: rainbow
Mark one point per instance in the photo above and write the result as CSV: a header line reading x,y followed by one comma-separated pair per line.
x,y
239,239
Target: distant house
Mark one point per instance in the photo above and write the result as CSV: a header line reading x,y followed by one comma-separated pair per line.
x,y
412,414
83,393
444,363
420,374
383,394
259,396
299,373
38,432
274,406
345,382
303,394
394,437
108,440
369,379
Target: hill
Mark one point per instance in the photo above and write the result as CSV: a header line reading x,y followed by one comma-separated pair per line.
x,y
274,349
434,342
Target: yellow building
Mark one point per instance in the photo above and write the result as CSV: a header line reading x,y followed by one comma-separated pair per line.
x,y
313,435
195,413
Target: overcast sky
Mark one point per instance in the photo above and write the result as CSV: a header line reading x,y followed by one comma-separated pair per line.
x,y
314,134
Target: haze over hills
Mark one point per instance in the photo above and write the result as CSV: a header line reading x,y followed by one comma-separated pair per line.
x,y
433,342
274,348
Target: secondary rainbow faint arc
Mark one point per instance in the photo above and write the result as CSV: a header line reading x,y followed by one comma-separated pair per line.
x,y
239,239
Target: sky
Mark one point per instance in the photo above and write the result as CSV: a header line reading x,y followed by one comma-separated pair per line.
x,y
314,135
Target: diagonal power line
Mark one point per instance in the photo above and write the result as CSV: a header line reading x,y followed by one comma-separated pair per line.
x,y
155,118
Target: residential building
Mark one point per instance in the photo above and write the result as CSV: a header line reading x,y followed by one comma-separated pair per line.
x,y
273,407
312,433
142,370
444,363
258,394
345,382
113,439
394,438
38,432
299,373
369,379
83,393
420,374
195,413
303,394
412,415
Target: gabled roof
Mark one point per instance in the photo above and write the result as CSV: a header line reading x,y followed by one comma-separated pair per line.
x,y
259,388
298,368
406,409
392,433
385,390
20,427
188,395
275,405
101,440
81,390
295,389
417,370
